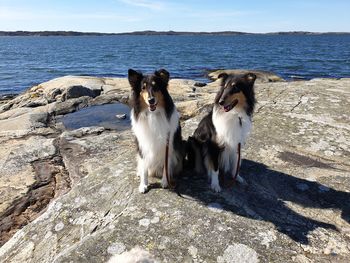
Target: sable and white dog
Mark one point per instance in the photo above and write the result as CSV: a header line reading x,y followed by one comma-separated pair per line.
x,y
155,123
217,141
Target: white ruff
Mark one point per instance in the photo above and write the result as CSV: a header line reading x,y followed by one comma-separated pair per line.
x,y
229,134
151,130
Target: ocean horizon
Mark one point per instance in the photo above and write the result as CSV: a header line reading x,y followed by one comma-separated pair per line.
x,y
28,60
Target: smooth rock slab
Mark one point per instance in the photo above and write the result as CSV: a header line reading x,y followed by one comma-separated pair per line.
x,y
296,126
17,174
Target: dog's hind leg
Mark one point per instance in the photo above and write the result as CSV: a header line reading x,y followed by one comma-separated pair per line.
x,y
212,165
166,172
171,169
215,185
142,172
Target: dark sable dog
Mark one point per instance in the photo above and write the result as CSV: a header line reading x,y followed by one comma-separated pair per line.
x,y
216,143
155,123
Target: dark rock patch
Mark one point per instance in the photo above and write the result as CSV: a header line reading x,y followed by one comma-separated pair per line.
x,y
52,180
80,91
302,160
200,84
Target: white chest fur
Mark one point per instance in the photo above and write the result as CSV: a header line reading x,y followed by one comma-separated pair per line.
x,y
152,130
232,127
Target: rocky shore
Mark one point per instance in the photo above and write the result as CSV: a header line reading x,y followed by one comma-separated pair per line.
x,y
70,195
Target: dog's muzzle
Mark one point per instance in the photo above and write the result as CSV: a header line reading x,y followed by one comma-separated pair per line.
x,y
229,106
152,104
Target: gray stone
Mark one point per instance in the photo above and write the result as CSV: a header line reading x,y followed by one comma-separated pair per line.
x,y
200,84
121,116
116,248
262,76
80,91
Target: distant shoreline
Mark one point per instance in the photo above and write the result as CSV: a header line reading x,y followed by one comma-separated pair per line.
x,y
160,33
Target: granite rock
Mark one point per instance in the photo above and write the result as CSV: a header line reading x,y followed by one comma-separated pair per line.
x,y
86,207
262,76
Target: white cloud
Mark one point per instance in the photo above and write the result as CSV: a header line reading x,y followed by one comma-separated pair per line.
x,y
153,5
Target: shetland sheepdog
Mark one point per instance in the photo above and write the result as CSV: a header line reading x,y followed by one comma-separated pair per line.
x,y
155,124
216,143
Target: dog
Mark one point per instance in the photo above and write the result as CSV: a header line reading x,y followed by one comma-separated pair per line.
x,y
155,124
216,143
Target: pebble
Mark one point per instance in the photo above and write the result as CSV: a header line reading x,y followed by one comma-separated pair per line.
x,y
193,251
144,222
155,220
200,84
116,248
59,226
121,116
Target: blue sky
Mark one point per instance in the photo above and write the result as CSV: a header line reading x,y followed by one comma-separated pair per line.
x,y
192,15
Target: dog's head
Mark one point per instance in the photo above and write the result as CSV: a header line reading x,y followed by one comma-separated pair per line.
x,y
236,91
149,89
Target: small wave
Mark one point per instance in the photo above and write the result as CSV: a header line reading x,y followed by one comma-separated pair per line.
x,y
297,77
109,56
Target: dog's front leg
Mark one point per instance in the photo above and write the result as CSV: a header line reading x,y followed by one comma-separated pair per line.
x,y
164,180
142,172
237,165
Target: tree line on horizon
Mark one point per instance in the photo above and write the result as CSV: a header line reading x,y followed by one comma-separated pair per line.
x,y
151,32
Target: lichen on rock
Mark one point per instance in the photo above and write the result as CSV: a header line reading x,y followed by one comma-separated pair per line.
x,y
77,189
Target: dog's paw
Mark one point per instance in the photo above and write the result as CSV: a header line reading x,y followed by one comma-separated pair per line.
x,y
215,187
164,182
142,188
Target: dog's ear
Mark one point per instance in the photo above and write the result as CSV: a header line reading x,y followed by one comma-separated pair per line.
x,y
223,76
163,75
249,78
134,78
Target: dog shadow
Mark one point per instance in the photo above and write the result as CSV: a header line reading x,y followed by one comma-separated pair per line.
x,y
264,197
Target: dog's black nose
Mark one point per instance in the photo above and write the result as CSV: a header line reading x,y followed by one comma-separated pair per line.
x,y
151,101
221,102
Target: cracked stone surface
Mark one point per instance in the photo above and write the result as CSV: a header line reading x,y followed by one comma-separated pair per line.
x,y
295,207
